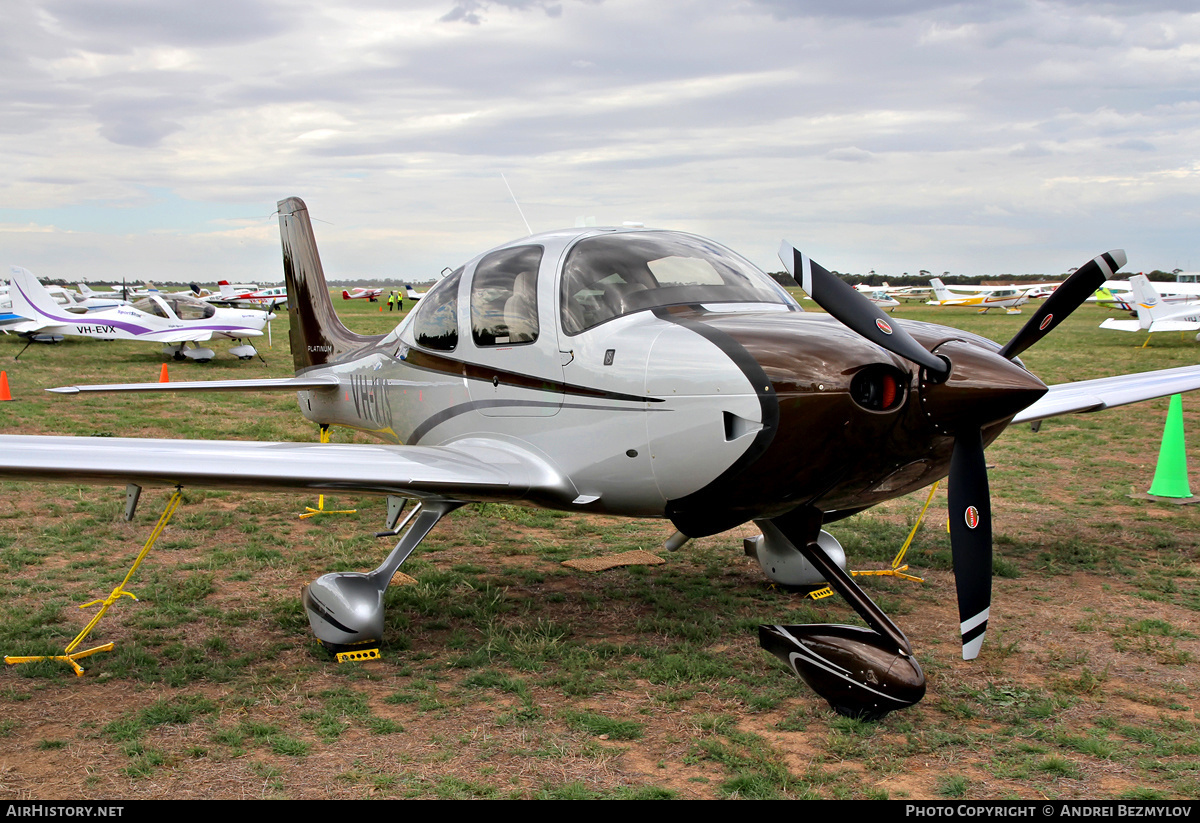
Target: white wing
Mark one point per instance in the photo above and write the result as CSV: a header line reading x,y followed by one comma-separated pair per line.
x,y
1109,392
469,470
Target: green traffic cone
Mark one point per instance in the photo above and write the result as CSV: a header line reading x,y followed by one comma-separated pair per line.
x,y
1171,475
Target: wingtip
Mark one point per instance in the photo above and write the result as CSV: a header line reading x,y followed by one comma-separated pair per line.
x,y
65,390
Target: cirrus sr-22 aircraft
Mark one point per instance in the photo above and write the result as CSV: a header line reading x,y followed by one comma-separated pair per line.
x,y
642,373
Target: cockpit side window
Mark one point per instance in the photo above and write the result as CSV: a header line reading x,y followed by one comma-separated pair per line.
x,y
611,275
150,306
191,309
435,322
504,297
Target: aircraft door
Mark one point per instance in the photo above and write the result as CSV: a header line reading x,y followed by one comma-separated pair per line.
x,y
516,363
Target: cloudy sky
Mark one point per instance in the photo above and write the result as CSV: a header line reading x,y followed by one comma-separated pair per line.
x,y
152,138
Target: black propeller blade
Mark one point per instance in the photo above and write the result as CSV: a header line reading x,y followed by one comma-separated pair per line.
x,y
971,537
857,312
1064,300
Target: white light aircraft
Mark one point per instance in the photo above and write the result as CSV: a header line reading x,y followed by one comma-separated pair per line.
x,y
979,297
411,293
173,320
878,296
641,373
249,296
358,293
1153,313
1040,291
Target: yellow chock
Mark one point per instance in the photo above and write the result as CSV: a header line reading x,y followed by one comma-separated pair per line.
x,y
70,655
356,656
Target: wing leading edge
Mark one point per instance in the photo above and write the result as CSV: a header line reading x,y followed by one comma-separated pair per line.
x,y
1110,392
469,470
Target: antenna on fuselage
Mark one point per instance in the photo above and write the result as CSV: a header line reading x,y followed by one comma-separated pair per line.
x,y
514,197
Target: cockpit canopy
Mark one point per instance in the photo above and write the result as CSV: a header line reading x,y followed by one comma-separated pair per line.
x,y
611,275
184,307
604,276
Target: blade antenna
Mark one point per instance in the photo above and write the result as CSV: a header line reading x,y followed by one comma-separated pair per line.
x,y
518,204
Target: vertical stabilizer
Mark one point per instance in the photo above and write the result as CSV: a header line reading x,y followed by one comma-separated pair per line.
x,y
1146,300
940,292
31,300
317,335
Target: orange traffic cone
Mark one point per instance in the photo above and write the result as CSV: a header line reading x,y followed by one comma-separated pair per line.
x,y
5,394
162,375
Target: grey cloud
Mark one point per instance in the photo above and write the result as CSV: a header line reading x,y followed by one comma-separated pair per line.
x,y
116,25
1136,145
1030,150
138,132
471,11
851,154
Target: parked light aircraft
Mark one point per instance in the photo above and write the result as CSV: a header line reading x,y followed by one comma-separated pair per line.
x,y
357,293
879,297
173,320
411,293
979,297
907,292
248,296
1153,313
1040,291
647,374
1106,298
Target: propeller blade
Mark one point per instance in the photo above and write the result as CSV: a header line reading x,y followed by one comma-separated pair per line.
x,y
1064,300
971,537
857,312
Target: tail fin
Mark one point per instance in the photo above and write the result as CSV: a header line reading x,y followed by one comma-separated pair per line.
x,y
317,336
1106,298
1146,300
85,290
940,292
31,300
345,294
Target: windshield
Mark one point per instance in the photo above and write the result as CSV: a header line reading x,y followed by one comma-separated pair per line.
x,y
612,275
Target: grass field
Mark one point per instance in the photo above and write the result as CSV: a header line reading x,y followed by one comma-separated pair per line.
x,y
506,674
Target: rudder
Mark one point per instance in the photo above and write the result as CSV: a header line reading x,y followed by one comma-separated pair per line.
x,y
317,335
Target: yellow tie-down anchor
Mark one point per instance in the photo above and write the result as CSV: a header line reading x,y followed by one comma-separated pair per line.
x,y
309,511
69,654
898,567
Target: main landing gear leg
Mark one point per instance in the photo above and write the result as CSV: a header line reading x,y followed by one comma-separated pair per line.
x,y
861,672
345,609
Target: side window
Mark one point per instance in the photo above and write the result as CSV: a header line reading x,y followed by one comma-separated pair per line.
x,y
150,306
435,325
504,297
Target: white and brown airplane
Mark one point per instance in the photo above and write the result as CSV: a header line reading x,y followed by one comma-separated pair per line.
x,y
642,373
